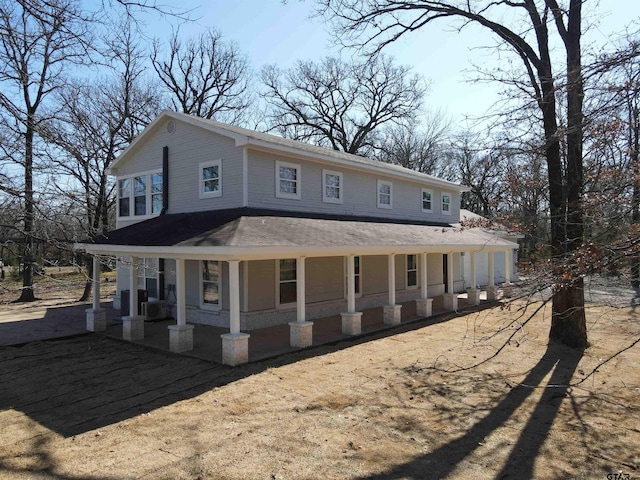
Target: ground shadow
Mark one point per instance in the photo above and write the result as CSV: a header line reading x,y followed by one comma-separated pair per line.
x,y
520,463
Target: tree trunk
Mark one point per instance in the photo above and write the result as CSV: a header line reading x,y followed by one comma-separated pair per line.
x,y
27,256
635,201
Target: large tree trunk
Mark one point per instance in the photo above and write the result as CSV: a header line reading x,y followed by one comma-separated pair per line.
x,y
635,202
27,257
568,321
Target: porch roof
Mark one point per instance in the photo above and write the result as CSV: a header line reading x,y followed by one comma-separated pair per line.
x,y
254,233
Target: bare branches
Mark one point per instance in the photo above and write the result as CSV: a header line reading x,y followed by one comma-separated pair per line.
x,y
339,104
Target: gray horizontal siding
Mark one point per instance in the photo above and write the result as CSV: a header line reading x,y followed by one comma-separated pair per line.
x,y
359,190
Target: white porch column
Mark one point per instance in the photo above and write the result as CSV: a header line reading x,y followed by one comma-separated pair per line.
x,y
424,303
492,293
473,294
351,320
181,334
235,344
450,298
133,325
391,312
506,289
300,331
96,317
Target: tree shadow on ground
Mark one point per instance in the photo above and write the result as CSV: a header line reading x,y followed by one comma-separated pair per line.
x,y
441,462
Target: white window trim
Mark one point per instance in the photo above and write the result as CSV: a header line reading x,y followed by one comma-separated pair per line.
x,y
445,212
326,199
379,184
202,166
406,265
278,304
344,266
132,201
426,210
209,306
291,196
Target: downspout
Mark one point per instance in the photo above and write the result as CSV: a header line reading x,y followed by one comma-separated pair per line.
x,y
165,207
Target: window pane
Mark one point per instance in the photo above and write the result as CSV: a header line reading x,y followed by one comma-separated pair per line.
x,y
385,199
210,282
357,284
287,292
141,205
210,172
156,203
412,278
288,173
140,186
212,185
287,269
332,180
124,188
356,264
288,186
385,189
123,207
332,192
156,183
411,262
210,293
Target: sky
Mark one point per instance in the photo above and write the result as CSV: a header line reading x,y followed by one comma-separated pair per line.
x,y
275,32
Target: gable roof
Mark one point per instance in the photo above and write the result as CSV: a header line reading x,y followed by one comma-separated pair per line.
x,y
265,141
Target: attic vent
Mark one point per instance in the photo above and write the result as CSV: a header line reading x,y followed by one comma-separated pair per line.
x,y
171,126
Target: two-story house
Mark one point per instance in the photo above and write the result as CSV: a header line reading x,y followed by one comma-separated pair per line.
x,y
244,230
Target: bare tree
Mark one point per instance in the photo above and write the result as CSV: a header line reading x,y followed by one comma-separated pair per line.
x,y
206,77
338,104
38,39
525,28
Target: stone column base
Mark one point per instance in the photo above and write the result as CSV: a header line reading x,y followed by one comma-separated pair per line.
x,y
133,328
424,307
351,323
492,294
392,314
235,348
473,296
96,319
180,338
300,334
450,301
506,290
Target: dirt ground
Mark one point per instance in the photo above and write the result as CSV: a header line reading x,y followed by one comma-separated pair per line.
x,y
429,401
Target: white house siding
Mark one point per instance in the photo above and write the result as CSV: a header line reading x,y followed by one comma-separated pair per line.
x,y
359,192
189,146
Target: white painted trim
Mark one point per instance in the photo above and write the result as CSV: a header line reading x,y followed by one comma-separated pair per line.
x,y
300,289
324,186
234,296
245,177
209,306
423,191
379,184
391,274
298,168
212,163
359,275
351,284
424,286
181,292
245,285
96,282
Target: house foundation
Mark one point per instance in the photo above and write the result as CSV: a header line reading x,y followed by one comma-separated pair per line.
x,y
351,323
392,314
424,307
235,348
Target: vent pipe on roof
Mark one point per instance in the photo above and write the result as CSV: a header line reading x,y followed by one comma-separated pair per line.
x,y
165,180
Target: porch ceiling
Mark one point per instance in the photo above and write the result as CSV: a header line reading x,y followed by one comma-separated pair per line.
x,y
245,233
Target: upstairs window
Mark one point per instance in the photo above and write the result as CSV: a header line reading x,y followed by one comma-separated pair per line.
x,y
124,197
331,186
140,195
426,201
211,179
288,180
446,204
156,193
385,192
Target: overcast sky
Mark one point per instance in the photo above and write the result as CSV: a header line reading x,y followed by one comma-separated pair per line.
x,y
273,32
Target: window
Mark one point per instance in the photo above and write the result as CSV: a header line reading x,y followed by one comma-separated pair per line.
x,y
356,276
385,192
287,282
446,204
210,179
412,271
140,195
426,200
331,186
210,292
156,193
148,276
124,197
288,180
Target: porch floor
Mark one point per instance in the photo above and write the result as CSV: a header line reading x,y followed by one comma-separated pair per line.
x,y
272,341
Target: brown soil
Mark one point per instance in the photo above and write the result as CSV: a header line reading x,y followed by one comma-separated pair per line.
x,y
425,403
